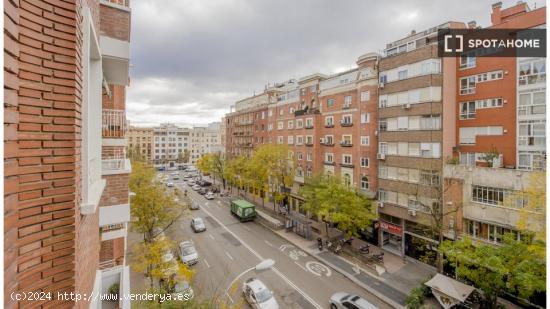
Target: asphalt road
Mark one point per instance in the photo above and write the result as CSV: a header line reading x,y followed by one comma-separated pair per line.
x,y
229,248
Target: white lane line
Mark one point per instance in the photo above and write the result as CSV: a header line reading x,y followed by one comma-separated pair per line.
x,y
229,256
302,267
230,299
268,243
277,272
212,237
206,262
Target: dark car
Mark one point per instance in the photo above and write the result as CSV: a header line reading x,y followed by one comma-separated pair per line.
x,y
202,191
215,189
205,183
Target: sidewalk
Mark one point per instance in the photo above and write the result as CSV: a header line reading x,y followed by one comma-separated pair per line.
x,y
391,283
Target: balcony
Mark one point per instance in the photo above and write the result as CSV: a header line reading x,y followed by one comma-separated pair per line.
x,y
347,165
327,143
114,165
346,124
112,273
309,126
531,79
309,144
346,144
114,40
329,163
114,123
327,125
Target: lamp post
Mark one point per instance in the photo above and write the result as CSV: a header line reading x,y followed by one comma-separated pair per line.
x,y
263,265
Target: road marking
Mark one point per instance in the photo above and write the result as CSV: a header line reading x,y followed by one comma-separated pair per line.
x,y
230,299
206,262
275,270
302,267
247,228
284,247
318,268
229,256
268,243
210,235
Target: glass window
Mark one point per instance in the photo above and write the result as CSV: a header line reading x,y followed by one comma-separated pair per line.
x,y
330,102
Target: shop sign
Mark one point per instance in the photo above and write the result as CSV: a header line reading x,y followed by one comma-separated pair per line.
x,y
391,228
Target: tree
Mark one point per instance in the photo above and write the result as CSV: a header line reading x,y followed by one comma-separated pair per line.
x,y
214,164
147,258
533,213
183,157
279,167
335,203
235,171
153,207
257,174
511,267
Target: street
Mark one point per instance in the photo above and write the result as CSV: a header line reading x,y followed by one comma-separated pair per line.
x,y
228,248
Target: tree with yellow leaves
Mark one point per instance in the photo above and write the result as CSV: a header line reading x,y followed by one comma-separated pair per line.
x,y
532,216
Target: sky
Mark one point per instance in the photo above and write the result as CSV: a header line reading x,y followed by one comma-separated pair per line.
x,y
192,59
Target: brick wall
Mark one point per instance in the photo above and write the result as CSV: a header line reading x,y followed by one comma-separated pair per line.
x,y
115,23
117,99
43,227
116,190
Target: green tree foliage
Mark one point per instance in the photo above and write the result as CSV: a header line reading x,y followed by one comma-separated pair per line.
x,y
153,207
214,164
533,214
512,267
183,157
329,199
236,170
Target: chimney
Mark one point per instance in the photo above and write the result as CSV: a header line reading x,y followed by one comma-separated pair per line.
x,y
496,17
472,24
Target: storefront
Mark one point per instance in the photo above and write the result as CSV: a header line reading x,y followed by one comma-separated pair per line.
x,y
391,236
419,243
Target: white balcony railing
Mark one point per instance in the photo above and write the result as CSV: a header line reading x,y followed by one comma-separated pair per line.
x,y
114,123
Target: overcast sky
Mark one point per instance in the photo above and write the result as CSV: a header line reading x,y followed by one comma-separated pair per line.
x,y
192,59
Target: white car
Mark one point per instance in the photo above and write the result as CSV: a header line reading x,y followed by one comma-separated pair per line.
x,y
187,252
170,184
209,195
345,300
196,187
258,295
197,224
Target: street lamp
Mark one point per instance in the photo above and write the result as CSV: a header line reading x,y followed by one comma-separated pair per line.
x,y
263,265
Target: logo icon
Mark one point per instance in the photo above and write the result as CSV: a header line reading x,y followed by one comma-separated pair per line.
x,y
454,38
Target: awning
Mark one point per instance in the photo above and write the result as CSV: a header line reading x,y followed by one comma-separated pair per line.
x,y
448,291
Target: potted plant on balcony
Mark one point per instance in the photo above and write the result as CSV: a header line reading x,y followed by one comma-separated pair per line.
x,y
114,291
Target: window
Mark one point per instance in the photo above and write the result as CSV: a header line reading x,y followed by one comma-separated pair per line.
x,y
532,72
531,160
299,123
383,78
365,117
329,121
365,96
309,123
309,156
269,126
300,156
489,195
364,162
467,61
346,119
347,101
402,74
299,140
346,139
383,147
468,110
309,139
281,112
290,124
270,113
279,139
330,102
280,125
329,140
467,85
346,159
290,139
383,125
429,178
383,101
347,179
364,183
467,135
364,140
532,103
329,157
532,133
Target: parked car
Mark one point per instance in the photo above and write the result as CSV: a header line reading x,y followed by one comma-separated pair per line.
x,y
345,300
184,289
205,183
176,177
196,187
197,224
194,206
187,252
170,264
201,191
170,184
258,295
215,189
209,195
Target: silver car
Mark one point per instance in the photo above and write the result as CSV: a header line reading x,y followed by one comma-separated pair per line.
x,y
194,206
197,224
342,300
258,295
187,252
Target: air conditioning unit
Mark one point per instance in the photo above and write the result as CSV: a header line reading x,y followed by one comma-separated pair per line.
x,y
381,156
406,106
412,212
380,204
381,85
322,140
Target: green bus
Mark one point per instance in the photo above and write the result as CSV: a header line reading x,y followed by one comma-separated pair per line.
x,y
243,210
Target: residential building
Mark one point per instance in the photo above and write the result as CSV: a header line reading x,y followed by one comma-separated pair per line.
x,y
66,199
416,119
512,108
170,142
140,140
204,140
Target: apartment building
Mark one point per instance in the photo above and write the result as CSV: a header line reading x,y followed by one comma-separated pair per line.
x,y
416,118
204,140
501,112
140,140
66,193
169,143
222,133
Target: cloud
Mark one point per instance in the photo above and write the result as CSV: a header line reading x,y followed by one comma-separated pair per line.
x,y
192,59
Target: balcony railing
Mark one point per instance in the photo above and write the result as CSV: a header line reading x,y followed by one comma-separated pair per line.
x,y
113,165
532,79
110,264
125,3
114,123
